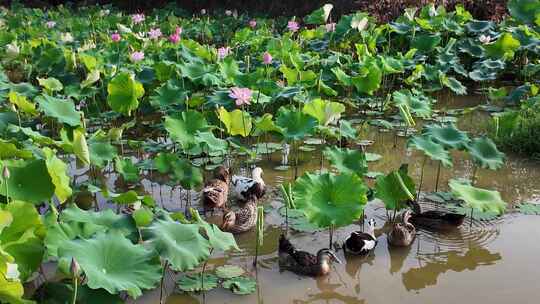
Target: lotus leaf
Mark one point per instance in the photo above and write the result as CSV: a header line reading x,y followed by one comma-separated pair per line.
x,y
129,171
526,11
22,103
370,81
218,239
58,172
504,47
236,122
426,42
319,16
395,189
241,285
326,112
229,271
329,199
101,153
448,136
485,153
431,149
371,157
419,104
124,93
30,181
50,84
479,199
347,160
80,146
529,208
294,124
183,128
9,150
198,282
61,109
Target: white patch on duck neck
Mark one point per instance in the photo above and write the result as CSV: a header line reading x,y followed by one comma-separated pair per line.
x,y
256,174
371,230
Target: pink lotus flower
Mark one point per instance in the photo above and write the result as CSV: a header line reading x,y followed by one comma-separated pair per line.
x,y
293,26
115,37
50,24
223,52
178,30
137,18
242,96
330,27
174,38
154,33
252,23
136,56
267,58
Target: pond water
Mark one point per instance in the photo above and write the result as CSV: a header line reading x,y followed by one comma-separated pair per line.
x,y
482,262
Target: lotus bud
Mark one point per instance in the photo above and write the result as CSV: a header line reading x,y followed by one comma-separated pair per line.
x,y
5,173
228,12
203,12
13,108
74,268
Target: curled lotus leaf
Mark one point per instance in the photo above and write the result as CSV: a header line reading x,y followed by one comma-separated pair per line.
x,y
477,198
347,160
241,285
447,135
485,153
431,149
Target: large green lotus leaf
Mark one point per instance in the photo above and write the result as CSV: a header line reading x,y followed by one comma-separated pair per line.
x,y
431,149
347,160
264,124
485,153
370,80
525,11
23,238
320,15
211,142
62,293
180,244
426,42
124,93
50,84
241,285
504,47
106,218
168,94
30,181
479,199
448,136
218,239
9,150
11,291
61,109
479,26
110,261
294,124
329,199
58,171
22,103
59,233
395,189
129,171
186,174
183,127
453,84
419,104
91,78
197,282
326,112
236,122
101,153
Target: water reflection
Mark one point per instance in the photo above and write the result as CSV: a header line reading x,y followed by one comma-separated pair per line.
x,y
435,264
327,293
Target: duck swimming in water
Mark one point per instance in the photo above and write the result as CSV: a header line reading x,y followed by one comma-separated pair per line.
x,y
215,191
361,243
242,220
246,188
434,219
404,233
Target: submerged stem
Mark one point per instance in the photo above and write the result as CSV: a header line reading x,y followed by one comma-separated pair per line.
x,y
421,178
438,176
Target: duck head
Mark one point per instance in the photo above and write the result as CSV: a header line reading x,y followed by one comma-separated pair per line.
x,y
371,227
223,174
325,256
257,173
229,219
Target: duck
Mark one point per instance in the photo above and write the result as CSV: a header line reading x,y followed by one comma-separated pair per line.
x,y
404,233
434,219
246,188
216,191
361,243
242,220
305,263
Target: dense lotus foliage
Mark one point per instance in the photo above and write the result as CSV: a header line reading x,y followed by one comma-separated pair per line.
x,y
167,95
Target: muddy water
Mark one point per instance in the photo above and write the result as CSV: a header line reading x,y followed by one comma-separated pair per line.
x,y
483,262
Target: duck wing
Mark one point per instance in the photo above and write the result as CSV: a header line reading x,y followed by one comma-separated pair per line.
x,y
359,242
304,258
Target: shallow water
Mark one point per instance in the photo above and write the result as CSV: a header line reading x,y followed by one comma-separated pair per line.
x,y
482,262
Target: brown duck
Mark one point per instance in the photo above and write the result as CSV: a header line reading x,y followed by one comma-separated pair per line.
x,y
242,220
434,219
404,233
216,190
305,263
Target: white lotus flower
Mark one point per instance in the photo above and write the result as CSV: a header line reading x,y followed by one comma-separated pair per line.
x,y
327,8
485,39
66,37
228,12
360,25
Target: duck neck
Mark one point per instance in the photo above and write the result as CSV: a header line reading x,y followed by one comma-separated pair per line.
x,y
257,177
324,264
371,231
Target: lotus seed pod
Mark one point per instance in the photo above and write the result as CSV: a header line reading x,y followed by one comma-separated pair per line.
x,y
5,173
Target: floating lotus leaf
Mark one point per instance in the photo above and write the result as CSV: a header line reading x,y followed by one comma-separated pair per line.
x,y
326,112
22,103
294,124
418,103
124,93
101,153
127,169
448,136
395,189
112,262
180,244
241,285
371,157
477,215
29,181
479,199
529,208
61,109
431,149
229,271
58,172
525,11
50,84
236,122
329,199
197,282
347,160
485,153
504,47
184,127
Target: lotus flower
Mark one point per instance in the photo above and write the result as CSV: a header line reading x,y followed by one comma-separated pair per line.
x,y
360,25
104,12
137,18
154,33
267,58
66,37
50,24
178,30
203,12
485,39
242,96
330,27
252,23
228,12
293,26
223,52
174,38
115,37
136,56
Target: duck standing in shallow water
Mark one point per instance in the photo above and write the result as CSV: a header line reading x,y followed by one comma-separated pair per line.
x,y
305,263
361,243
434,219
242,220
246,188
215,191
402,234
